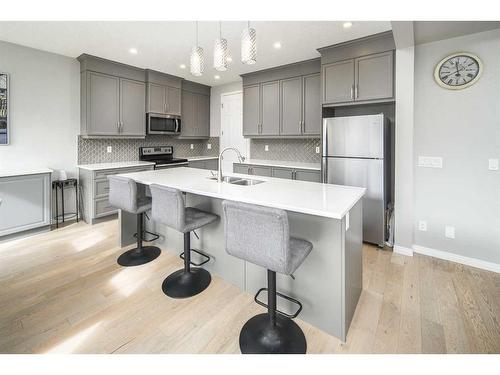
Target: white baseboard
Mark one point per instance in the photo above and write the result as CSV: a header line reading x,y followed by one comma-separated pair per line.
x,y
482,264
403,250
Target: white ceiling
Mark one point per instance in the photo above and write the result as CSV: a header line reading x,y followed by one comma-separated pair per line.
x,y
163,46
431,31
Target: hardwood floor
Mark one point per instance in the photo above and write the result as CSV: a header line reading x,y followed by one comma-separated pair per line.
x,y
63,292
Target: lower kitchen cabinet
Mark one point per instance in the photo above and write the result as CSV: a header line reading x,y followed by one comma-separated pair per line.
x,y
94,186
24,203
278,172
211,164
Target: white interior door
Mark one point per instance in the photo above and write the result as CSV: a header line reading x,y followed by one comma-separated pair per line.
x,y
232,128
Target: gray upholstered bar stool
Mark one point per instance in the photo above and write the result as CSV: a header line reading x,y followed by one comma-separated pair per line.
x,y
261,235
169,209
123,195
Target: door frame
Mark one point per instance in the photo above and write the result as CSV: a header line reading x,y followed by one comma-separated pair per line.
x,y
247,141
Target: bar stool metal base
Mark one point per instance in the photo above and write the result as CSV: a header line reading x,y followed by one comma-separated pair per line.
x,y
260,336
136,257
184,284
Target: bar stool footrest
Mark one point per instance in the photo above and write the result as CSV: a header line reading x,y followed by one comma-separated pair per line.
x,y
153,237
293,300
207,258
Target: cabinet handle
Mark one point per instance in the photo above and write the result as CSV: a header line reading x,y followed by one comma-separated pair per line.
x,y
118,126
352,92
294,175
356,92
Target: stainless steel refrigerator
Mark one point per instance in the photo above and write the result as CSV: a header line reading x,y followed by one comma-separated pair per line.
x,y
356,152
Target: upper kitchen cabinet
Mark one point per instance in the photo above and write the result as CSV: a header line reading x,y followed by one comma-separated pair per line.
x,y
195,119
359,71
113,98
163,93
283,102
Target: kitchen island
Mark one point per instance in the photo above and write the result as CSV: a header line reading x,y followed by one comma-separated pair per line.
x,y
328,283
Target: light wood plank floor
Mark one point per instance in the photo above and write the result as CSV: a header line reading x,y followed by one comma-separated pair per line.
x,y
63,292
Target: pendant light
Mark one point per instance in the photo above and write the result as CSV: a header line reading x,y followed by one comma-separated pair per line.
x,y
220,52
249,46
196,60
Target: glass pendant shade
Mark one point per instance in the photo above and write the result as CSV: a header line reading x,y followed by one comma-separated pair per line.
x,y
249,46
196,61
220,54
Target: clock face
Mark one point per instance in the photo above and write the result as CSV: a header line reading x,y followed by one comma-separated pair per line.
x,y
458,71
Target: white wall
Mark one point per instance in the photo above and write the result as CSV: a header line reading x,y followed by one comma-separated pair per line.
x,y
44,109
462,127
215,93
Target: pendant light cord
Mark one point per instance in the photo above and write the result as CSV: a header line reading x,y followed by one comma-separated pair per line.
x,y
196,34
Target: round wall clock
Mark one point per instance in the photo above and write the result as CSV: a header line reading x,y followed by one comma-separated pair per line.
x,y
458,71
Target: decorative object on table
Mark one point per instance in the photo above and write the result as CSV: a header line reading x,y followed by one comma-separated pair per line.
x,y
4,109
62,175
458,71
62,184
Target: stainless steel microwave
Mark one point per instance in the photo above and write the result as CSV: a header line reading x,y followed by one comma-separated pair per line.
x,y
163,124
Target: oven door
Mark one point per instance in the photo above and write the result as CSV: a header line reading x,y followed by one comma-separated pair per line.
x,y
163,124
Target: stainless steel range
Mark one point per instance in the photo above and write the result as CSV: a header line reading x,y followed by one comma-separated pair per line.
x,y
162,156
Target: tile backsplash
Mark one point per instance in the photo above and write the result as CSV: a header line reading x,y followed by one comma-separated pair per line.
x,y
302,150
92,151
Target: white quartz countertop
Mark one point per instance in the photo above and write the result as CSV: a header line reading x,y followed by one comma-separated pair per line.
x,y
195,158
285,164
123,164
332,201
7,172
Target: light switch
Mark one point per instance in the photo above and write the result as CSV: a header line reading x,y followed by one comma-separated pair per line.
x,y
422,225
209,146
266,148
493,164
109,149
449,231
430,162
192,146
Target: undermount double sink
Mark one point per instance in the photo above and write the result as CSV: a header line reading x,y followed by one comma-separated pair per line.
x,y
238,180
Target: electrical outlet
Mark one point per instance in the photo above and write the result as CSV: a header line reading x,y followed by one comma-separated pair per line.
x,y
493,164
449,231
266,148
422,225
317,150
430,162
209,146
192,146
109,149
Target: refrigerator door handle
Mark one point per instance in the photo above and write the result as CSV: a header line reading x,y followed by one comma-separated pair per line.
x,y
325,137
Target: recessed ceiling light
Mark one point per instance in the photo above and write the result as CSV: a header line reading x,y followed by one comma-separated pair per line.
x,y
277,45
133,51
217,77
182,66
347,25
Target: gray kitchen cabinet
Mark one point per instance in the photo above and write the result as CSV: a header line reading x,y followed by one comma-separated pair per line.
x,y
270,114
195,121
362,79
132,108
312,105
251,110
163,99
157,97
291,106
211,164
338,82
103,109
259,170
307,175
94,187
241,168
24,203
374,77
285,173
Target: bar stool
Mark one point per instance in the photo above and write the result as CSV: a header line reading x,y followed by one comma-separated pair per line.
x,y
123,195
169,209
261,235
